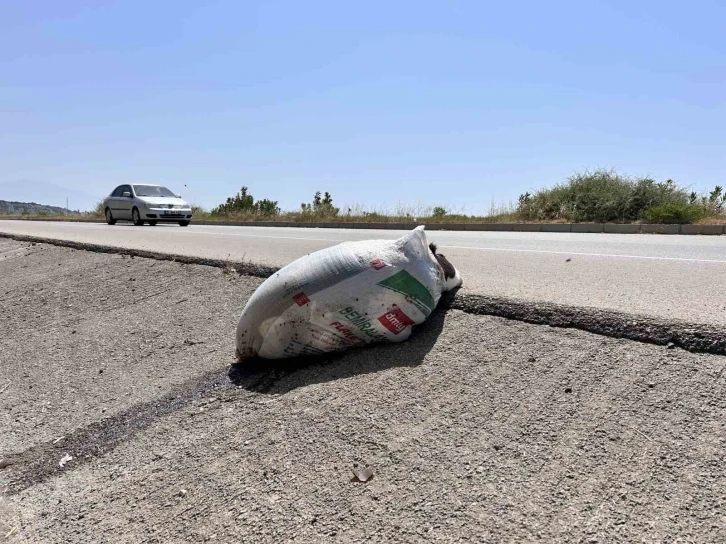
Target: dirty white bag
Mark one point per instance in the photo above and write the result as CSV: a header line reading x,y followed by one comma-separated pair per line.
x,y
347,295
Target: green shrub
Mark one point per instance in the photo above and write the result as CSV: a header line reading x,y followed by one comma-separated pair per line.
x,y
244,203
267,207
675,212
605,196
439,212
320,207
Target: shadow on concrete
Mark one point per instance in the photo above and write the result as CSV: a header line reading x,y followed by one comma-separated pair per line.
x,y
40,462
277,377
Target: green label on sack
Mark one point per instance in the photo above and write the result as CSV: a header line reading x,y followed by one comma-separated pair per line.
x,y
404,283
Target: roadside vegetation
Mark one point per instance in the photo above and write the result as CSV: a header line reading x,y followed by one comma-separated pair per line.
x,y
601,196
604,196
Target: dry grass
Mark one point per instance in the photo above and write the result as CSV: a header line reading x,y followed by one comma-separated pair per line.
x,y
294,217
355,213
53,217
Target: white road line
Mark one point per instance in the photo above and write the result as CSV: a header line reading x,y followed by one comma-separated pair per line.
x,y
477,248
619,256
509,250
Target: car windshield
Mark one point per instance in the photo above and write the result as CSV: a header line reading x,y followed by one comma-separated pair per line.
x,y
152,190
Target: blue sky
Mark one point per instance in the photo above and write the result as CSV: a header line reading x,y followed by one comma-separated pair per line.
x,y
458,104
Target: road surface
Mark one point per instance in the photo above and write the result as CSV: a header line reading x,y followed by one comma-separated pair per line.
x,y
123,422
673,277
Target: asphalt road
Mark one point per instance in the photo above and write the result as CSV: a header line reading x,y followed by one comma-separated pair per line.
x,y
673,277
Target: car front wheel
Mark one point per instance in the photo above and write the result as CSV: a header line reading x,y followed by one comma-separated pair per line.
x,y
136,218
183,223
109,217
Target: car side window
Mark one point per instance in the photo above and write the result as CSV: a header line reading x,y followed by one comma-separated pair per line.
x,y
118,191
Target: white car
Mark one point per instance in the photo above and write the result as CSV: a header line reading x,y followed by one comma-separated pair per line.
x,y
146,204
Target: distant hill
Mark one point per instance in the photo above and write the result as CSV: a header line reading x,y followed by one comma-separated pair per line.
x,y
25,190
31,208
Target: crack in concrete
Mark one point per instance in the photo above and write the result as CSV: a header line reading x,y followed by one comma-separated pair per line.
x,y
650,330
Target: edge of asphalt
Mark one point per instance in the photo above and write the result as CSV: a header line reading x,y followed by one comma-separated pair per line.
x,y
594,228
696,337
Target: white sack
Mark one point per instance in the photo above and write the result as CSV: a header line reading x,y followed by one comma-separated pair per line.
x,y
347,295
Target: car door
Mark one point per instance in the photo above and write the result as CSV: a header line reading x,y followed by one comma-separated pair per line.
x,y
114,202
126,202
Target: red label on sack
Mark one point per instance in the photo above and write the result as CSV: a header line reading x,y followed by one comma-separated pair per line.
x,y
301,299
346,332
395,320
378,264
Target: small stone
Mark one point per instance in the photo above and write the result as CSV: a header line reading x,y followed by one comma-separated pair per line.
x,y
651,385
64,460
568,390
670,345
532,360
362,476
